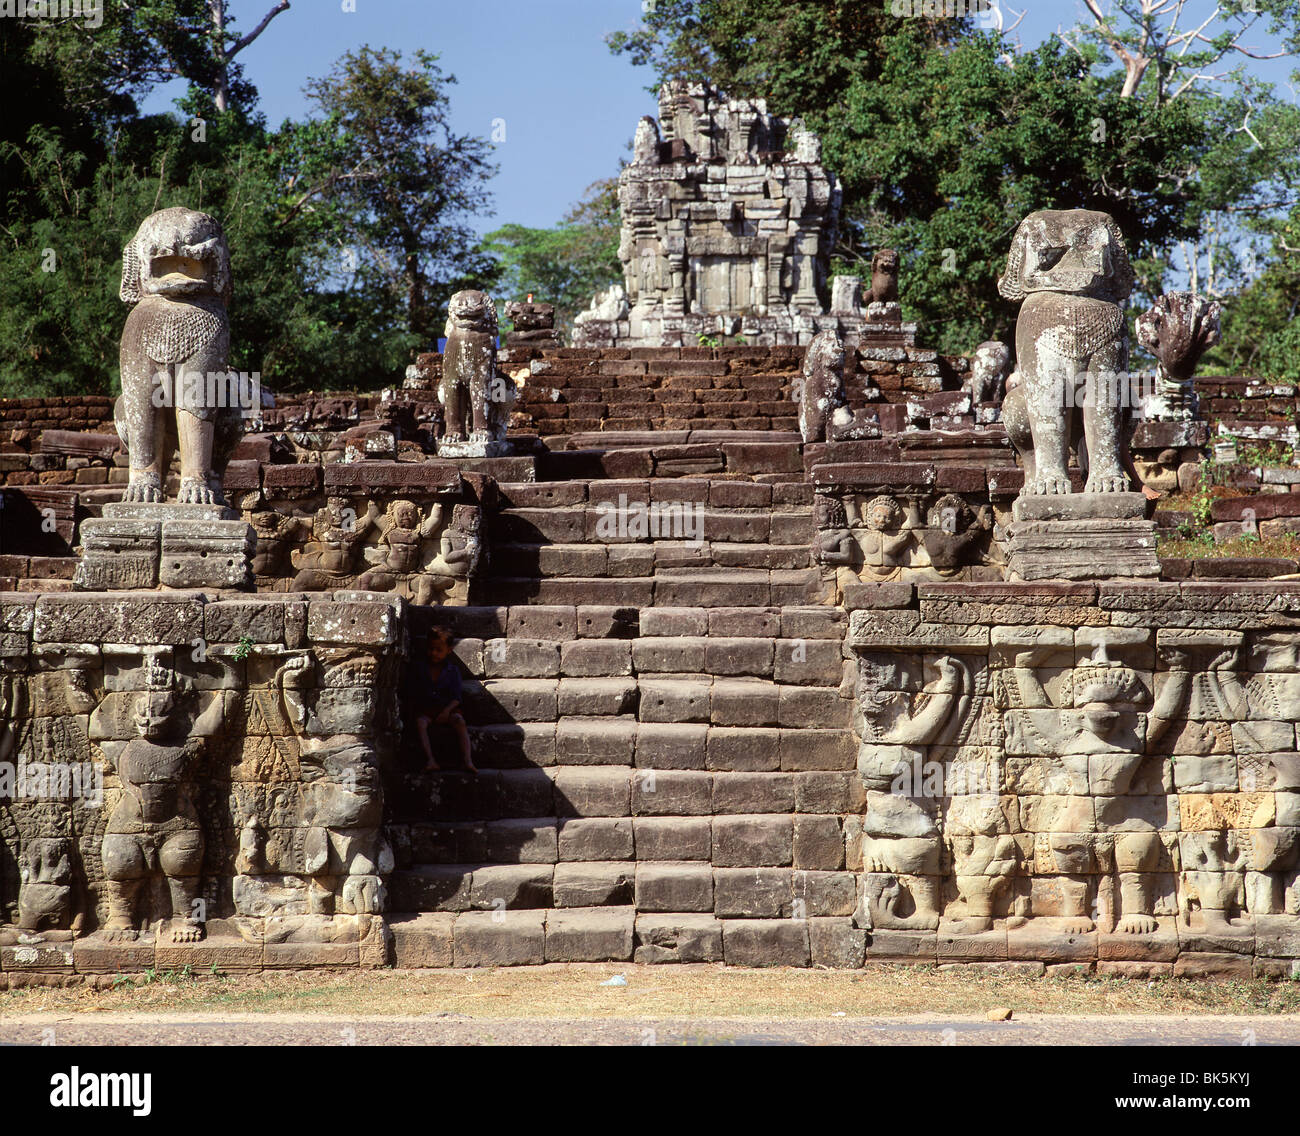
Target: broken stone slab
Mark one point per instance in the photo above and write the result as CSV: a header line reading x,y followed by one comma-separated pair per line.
x,y
80,444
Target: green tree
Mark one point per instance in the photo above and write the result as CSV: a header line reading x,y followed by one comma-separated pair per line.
x,y
565,265
942,137
404,186
60,316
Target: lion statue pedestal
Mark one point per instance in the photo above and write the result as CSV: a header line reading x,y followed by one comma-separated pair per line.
x,y
1082,536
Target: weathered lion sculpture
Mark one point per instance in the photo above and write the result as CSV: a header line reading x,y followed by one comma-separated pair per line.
x,y
1072,272
176,392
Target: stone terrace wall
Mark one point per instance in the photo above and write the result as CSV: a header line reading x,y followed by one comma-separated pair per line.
x,y
23,419
1112,779
297,697
1255,409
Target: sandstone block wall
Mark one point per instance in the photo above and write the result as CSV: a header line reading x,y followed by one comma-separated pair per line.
x,y
288,705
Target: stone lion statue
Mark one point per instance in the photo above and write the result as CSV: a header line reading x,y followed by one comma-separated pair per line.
x,y
476,400
884,276
1072,272
176,391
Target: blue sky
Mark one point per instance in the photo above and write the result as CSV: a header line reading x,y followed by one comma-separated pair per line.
x,y
569,107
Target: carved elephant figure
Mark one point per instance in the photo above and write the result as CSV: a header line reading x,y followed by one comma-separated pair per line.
x,y
1071,270
176,391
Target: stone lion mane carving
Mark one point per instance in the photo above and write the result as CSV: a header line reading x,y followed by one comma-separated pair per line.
x,y
1072,272
176,273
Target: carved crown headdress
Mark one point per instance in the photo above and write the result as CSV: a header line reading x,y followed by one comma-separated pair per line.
x,y
158,676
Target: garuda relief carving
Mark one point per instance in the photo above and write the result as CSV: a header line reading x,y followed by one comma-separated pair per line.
x,y
1099,778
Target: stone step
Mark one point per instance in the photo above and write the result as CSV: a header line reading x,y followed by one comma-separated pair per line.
x,y
651,885
672,587
640,522
561,623
620,934
629,560
583,664
714,493
623,742
608,705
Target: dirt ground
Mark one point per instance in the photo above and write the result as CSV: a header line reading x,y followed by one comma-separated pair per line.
x,y
580,991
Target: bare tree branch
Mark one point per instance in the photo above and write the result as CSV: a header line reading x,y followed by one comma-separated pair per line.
x,y
243,42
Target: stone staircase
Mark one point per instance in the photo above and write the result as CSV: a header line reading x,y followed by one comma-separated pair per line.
x,y
665,745
667,542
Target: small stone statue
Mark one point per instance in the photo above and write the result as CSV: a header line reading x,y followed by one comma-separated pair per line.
x,y
990,366
884,276
463,544
821,390
154,829
952,533
885,538
1178,329
176,271
275,535
834,546
476,398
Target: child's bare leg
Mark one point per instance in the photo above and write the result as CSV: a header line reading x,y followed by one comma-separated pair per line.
x,y
422,725
462,736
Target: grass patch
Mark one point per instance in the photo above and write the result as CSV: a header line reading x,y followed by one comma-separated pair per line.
x,y
1202,547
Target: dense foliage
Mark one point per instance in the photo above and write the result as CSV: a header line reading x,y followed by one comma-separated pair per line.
x,y
944,134
348,230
